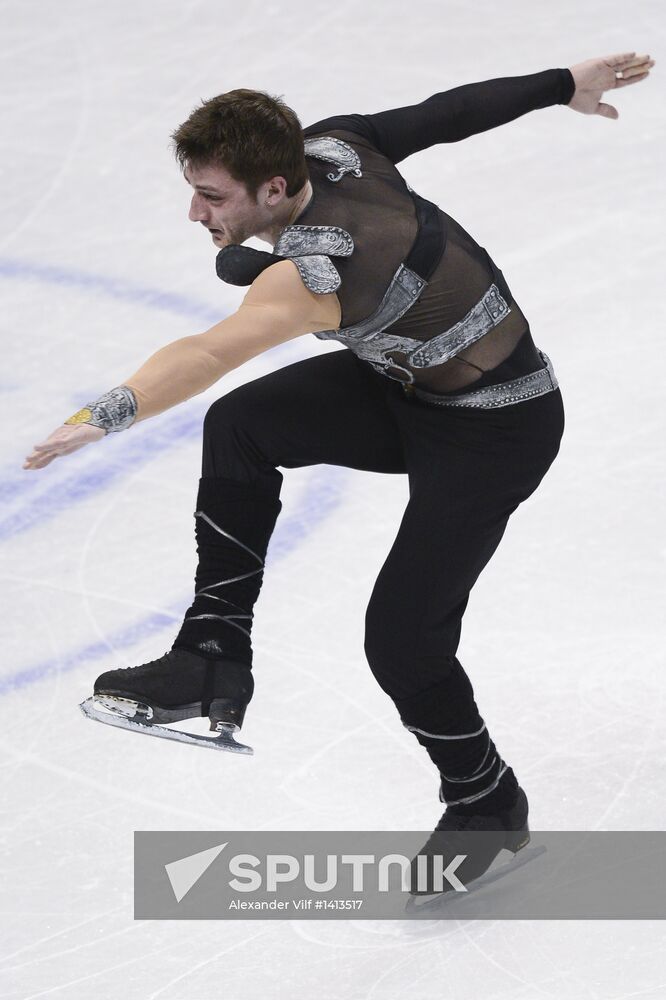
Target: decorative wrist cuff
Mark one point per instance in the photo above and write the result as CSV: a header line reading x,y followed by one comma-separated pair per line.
x,y
114,411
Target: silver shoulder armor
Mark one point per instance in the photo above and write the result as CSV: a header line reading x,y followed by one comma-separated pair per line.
x,y
337,152
310,248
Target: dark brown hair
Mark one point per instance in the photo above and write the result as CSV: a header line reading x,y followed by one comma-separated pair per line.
x,y
251,134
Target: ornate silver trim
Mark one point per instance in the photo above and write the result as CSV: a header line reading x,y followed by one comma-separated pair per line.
x,y
318,273
368,339
516,390
309,248
303,241
371,341
335,151
114,411
487,313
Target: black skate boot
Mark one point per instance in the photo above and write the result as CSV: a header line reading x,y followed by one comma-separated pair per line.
x,y
478,838
180,685
208,670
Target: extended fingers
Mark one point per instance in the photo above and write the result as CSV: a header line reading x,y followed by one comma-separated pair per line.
x,y
631,68
42,454
618,60
627,79
36,461
625,59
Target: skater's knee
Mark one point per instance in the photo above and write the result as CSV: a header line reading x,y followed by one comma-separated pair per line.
x,y
232,418
390,657
391,629
401,631
238,443
227,411
406,658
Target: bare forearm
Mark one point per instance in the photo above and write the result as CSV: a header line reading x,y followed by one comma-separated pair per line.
x,y
277,308
173,374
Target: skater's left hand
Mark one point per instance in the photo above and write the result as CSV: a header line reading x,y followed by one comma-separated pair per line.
x,y
63,441
594,76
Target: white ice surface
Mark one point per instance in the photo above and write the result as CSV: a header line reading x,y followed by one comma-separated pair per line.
x,y
563,637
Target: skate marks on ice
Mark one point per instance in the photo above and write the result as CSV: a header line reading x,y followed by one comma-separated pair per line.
x,y
107,711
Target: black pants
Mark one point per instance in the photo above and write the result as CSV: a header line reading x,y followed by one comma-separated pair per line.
x,y
468,470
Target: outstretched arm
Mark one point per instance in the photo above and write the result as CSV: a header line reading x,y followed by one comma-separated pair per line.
x,y
476,107
467,110
277,308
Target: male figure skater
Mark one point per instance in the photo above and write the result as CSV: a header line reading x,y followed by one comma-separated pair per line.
x,y
441,381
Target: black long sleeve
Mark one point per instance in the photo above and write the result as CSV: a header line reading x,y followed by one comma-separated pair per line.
x,y
455,114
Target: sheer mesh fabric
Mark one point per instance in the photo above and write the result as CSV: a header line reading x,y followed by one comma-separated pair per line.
x,y
460,280
378,211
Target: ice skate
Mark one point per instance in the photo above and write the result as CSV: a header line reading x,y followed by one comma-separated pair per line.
x,y
180,685
453,836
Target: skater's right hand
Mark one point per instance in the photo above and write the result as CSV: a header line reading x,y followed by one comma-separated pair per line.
x,y
63,441
594,76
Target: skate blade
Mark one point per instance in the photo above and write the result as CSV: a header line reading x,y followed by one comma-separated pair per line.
x,y
223,741
440,900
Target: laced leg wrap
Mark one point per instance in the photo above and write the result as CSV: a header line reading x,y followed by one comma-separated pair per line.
x,y
488,771
205,591
233,526
445,720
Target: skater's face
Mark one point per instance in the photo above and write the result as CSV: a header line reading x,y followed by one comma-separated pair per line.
x,y
224,206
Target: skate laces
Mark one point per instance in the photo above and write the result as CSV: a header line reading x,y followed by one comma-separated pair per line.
x,y
161,661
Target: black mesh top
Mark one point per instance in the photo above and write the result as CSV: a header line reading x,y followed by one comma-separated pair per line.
x,y
378,211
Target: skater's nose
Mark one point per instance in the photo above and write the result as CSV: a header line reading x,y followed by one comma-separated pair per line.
x,y
198,209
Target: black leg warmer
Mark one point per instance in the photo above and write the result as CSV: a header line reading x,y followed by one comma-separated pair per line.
x,y
233,525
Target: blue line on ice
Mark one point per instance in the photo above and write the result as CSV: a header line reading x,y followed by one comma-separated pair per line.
x,y
114,288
